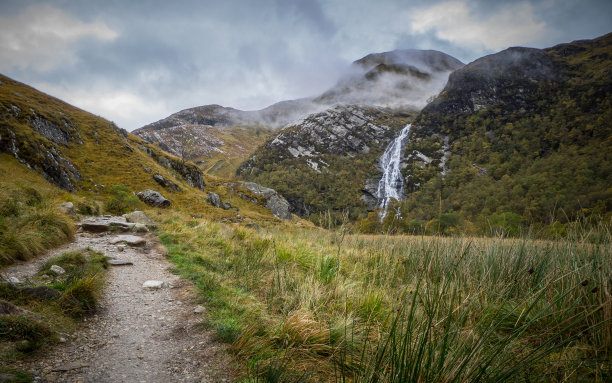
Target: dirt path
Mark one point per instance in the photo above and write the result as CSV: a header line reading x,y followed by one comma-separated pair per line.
x,y
138,335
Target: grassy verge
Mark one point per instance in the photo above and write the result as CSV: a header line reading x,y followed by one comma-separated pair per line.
x,y
35,315
30,221
311,305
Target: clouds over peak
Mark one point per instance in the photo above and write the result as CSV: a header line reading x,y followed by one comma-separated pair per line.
x,y
135,62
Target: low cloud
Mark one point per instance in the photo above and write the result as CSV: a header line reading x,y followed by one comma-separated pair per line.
x,y
41,37
459,23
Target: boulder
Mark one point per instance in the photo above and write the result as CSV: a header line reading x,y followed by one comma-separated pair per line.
x,y
67,207
213,199
279,207
153,198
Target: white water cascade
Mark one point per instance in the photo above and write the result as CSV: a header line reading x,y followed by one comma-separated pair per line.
x,y
391,185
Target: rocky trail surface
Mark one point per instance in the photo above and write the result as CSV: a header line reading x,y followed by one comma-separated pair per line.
x,y
139,334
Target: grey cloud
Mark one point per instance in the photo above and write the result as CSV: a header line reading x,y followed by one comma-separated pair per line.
x,y
249,54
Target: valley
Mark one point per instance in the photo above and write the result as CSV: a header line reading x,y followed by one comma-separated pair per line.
x,y
421,220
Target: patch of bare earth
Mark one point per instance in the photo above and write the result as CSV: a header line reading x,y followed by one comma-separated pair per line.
x,y
138,334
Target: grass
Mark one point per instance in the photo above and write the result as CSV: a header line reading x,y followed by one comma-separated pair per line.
x,y
50,304
30,221
313,305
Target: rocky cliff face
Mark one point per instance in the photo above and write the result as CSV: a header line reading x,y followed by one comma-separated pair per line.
x,y
326,158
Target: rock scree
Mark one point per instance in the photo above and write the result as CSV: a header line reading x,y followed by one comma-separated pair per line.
x,y
138,334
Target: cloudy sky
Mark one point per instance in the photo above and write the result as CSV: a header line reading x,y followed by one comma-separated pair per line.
x,y
135,62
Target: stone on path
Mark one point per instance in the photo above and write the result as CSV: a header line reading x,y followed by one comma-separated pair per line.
x,y
199,309
13,280
118,262
58,270
131,240
153,285
106,223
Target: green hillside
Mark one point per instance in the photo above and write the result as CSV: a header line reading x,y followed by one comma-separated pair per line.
x,y
86,155
516,139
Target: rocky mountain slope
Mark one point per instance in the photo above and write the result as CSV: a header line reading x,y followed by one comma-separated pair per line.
x,y
220,138
521,134
85,154
323,162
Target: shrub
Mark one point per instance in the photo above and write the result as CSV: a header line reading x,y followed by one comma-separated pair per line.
x,y
88,208
121,200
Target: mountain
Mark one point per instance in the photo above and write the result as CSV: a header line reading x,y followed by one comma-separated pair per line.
x,y
86,155
520,136
321,163
401,79
220,138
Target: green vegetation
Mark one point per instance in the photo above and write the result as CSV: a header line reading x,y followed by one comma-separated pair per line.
x,y
325,306
32,315
539,162
121,201
30,222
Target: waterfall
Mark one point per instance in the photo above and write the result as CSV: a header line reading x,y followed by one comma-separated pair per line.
x,y
391,185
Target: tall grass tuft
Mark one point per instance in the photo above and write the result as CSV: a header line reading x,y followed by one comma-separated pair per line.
x,y
29,225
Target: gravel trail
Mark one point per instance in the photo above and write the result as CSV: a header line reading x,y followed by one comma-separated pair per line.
x,y
138,334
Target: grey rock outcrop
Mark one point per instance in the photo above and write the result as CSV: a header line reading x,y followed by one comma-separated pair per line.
x,y
213,199
43,158
190,173
153,198
166,183
53,131
277,205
